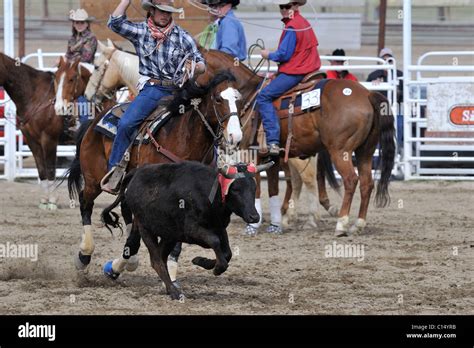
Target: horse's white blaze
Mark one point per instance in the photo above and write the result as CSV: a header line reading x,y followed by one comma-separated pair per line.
x,y
59,105
233,133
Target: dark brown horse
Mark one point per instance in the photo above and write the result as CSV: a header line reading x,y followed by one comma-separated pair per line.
x,y
351,119
189,135
32,91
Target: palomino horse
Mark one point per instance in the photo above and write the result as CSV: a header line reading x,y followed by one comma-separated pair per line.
x,y
70,83
351,119
32,91
113,69
190,134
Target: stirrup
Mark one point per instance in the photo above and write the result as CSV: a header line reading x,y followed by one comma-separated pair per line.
x,y
111,181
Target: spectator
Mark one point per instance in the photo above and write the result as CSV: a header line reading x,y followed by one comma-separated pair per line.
x,y
208,38
230,36
83,43
340,74
378,76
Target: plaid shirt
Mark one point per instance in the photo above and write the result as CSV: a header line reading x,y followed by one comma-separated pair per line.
x,y
83,46
162,62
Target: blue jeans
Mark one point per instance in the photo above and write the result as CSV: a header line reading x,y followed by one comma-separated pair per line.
x,y
83,107
271,124
141,107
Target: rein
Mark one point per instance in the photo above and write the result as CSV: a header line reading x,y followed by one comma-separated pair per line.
x,y
99,84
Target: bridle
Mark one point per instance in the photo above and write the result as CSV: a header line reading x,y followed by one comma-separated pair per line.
x,y
102,70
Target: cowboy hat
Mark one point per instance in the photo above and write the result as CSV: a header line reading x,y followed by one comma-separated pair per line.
x,y
217,2
286,2
80,15
163,5
385,52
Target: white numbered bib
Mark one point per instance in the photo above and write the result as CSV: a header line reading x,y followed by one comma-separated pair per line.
x,y
310,99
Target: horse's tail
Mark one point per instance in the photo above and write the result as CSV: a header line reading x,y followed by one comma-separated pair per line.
x,y
385,121
109,217
74,173
327,170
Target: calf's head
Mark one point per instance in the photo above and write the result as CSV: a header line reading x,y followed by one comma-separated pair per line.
x,y
239,190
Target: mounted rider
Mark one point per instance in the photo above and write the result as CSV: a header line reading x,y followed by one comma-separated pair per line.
x,y
230,35
163,48
297,56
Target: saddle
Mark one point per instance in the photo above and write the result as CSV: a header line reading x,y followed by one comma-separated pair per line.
x,y
299,100
152,124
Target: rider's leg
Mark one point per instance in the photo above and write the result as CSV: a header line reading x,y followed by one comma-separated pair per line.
x,y
143,105
275,89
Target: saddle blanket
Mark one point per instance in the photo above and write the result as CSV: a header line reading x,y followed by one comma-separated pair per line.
x,y
107,126
308,100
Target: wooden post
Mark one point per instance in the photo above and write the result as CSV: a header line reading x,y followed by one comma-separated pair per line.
x,y
382,24
21,37
45,9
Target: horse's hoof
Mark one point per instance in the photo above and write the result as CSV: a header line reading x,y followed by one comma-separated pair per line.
x,y
333,211
358,227
274,229
109,272
81,261
251,230
342,226
132,263
340,234
43,206
175,294
52,206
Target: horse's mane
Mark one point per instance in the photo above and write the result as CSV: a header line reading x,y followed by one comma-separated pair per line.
x,y
127,71
191,90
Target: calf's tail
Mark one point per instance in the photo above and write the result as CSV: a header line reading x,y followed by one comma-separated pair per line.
x,y
109,217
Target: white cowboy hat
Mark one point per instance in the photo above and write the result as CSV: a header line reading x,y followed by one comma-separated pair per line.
x,y
79,15
163,5
286,2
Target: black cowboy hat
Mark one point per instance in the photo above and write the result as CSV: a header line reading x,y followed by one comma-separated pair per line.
x,y
218,2
339,52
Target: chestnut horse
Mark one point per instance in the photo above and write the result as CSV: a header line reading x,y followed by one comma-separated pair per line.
x,y
70,82
189,134
32,91
351,119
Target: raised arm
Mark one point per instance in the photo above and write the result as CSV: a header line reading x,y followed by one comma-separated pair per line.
x,y
121,8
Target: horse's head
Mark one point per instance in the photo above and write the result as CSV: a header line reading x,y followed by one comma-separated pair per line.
x,y
69,84
226,103
105,78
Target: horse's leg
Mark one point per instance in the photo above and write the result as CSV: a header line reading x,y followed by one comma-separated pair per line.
x,y
287,208
308,177
172,263
322,192
38,156
343,162
275,204
50,150
252,229
86,200
129,258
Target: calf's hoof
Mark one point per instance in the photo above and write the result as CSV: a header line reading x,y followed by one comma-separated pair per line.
x,y
109,272
175,294
219,269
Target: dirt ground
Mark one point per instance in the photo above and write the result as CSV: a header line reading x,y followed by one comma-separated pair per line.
x,y
418,259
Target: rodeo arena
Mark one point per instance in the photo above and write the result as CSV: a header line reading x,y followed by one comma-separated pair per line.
x,y
191,157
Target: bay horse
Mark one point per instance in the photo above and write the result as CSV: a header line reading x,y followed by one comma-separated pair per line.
x,y
190,134
114,69
351,119
70,82
32,91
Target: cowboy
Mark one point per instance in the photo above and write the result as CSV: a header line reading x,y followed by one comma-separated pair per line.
x,y
297,56
230,37
339,74
83,43
163,49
